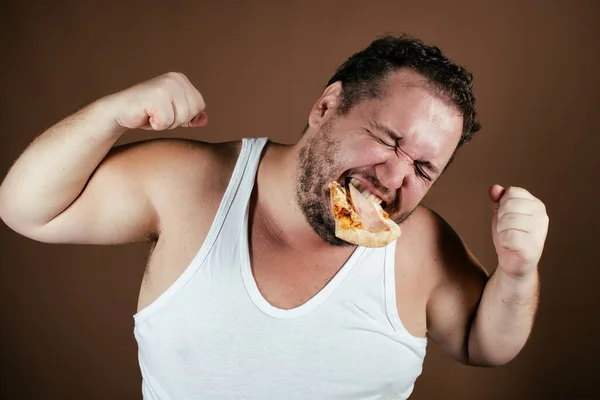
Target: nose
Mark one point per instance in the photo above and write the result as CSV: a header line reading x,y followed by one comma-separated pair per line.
x,y
394,172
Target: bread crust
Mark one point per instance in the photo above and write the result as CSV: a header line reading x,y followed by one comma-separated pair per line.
x,y
349,227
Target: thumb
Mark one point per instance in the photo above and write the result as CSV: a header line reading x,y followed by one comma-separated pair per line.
x,y
496,192
199,120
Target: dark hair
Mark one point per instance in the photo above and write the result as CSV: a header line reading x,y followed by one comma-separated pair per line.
x,y
363,74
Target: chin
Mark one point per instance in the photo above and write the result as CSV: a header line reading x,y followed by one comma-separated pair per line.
x,y
403,216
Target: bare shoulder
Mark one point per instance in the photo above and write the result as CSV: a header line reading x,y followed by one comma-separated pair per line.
x,y
197,156
187,187
437,274
434,244
455,280
179,173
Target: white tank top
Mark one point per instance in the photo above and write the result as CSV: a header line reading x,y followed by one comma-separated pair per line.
x,y
212,335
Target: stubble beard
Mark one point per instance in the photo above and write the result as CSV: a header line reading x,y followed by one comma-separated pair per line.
x,y
316,169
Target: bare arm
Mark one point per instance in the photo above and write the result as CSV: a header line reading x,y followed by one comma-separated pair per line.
x,y
70,187
503,320
454,300
478,320
509,303
481,321
54,169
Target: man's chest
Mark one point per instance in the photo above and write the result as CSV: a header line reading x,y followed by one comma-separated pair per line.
x,y
230,347
286,280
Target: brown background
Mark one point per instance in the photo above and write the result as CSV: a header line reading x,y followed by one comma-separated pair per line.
x,y
66,311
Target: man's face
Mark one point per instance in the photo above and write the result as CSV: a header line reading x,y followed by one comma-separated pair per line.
x,y
396,147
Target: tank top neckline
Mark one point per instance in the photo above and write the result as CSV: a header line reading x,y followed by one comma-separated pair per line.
x,y
312,303
248,277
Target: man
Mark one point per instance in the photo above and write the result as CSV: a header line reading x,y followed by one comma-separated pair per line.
x,y
249,293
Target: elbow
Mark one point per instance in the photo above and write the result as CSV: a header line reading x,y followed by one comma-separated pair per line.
x,y
8,213
494,357
487,347
14,216
490,362
15,224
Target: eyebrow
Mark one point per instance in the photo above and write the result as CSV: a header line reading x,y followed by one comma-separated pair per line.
x,y
429,166
396,136
385,129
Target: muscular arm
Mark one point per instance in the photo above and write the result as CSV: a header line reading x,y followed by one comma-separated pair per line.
x,y
478,320
52,172
504,319
125,198
71,186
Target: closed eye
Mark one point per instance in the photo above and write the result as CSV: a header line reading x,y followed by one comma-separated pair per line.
x,y
421,173
390,145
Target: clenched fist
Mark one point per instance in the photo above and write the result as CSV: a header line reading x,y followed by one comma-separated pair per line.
x,y
165,102
519,229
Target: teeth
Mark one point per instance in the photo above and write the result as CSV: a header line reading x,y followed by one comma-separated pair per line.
x,y
371,197
366,194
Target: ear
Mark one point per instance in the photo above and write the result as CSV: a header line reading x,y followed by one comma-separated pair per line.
x,y
326,105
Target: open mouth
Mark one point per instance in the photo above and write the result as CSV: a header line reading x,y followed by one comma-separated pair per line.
x,y
359,217
373,198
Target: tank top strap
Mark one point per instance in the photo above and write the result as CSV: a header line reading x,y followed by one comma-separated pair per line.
x,y
244,174
227,219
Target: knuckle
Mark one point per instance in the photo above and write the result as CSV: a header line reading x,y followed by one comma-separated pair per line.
x,y
165,80
169,120
159,123
161,91
509,193
171,80
509,237
517,191
507,203
184,78
182,119
545,221
172,75
199,97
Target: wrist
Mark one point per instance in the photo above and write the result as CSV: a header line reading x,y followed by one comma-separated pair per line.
x,y
527,278
105,110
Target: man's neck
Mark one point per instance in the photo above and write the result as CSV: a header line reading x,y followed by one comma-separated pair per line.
x,y
277,215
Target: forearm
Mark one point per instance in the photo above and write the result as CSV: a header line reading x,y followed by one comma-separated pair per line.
x,y
504,318
55,167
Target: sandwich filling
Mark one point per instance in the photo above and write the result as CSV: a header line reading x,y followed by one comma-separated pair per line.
x,y
359,217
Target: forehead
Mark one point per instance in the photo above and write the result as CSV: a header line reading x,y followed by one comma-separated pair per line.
x,y
421,117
